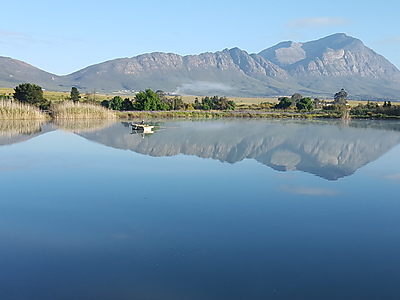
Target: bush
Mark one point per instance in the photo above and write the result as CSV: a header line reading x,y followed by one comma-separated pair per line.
x,y
31,94
284,103
305,104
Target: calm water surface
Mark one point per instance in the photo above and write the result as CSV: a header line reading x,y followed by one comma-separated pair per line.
x,y
200,210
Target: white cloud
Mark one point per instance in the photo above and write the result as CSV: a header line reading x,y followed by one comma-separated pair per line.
x,y
9,34
16,38
316,22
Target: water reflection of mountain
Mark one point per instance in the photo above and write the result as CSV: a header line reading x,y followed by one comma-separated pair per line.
x,y
325,149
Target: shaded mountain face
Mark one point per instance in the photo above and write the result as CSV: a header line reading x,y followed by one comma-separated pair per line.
x,y
14,72
328,150
317,69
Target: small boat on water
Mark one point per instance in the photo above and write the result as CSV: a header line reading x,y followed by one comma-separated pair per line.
x,y
142,128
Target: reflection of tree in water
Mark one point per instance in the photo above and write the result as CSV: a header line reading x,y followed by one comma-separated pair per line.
x,y
82,125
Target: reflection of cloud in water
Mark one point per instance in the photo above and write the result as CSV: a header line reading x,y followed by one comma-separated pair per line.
x,y
310,191
394,176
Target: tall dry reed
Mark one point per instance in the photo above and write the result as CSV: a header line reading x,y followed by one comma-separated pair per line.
x,y
15,110
71,110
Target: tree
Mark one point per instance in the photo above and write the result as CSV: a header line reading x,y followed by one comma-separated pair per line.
x,y
387,104
30,94
340,97
105,103
161,95
177,103
75,94
115,103
296,97
305,104
318,103
127,105
284,102
149,100
215,102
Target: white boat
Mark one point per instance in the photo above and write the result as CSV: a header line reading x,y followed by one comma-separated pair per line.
x,y
142,128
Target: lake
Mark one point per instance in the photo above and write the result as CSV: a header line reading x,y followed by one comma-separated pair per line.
x,y
221,209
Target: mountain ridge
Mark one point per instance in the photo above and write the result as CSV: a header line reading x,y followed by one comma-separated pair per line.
x,y
316,68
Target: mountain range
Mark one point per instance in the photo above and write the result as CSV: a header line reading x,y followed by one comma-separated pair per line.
x,y
317,68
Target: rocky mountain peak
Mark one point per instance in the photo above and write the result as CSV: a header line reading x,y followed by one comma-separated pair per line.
x,y
316,68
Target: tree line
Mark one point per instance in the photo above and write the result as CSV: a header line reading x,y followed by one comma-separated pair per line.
x,y
149,100
307,104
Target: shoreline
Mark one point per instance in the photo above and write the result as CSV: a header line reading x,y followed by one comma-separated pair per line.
x,y
245,114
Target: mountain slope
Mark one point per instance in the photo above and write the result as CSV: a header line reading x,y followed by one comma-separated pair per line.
x,y
14,72
336,55
230,72
317,69
337,60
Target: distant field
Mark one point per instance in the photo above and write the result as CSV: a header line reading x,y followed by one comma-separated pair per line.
x,y
6,91
59,96
250,101
237,100
55,96
49,95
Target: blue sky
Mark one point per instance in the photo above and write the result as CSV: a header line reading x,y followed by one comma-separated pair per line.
x,y
64,36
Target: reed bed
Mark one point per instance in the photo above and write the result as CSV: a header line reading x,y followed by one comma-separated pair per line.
x,y
15,110
72,111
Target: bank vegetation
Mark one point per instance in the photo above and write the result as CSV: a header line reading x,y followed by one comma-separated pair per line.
x,y
77,110
15,110
28,102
